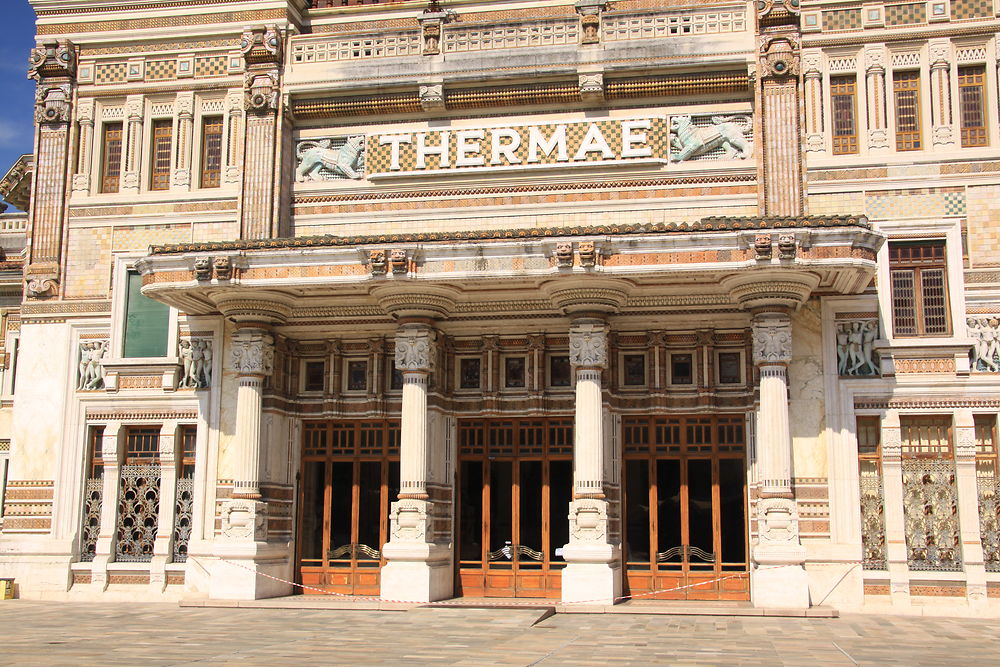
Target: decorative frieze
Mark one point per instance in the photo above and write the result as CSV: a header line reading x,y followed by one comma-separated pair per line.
x,y
710,137
856,355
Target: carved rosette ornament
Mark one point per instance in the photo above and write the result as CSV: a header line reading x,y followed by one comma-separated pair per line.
x,y
415,349
772,340
253,353
779,56
588,345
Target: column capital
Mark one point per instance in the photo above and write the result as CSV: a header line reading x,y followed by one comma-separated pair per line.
x,y
253,353
772,339
415,348
588,344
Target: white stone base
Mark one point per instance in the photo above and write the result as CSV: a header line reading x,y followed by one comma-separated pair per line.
x,y
774,586
416,572
235,571
592,575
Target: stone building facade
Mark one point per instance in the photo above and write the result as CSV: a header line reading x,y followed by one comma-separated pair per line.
x,y
585,300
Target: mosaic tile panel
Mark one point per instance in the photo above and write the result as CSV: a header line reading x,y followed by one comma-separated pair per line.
x,y
905,14
88,267
984,225
914,204
111,73
971,9
141,237
161,69
211,66
842,19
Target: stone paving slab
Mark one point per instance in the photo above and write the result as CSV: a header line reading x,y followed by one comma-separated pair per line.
x,y
77,633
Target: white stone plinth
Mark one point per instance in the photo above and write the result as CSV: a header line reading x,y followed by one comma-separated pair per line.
x,y
236,575
592,574
416,572
778,579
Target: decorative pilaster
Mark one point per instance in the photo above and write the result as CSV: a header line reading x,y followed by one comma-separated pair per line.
x,y
878,133
779,166
53,66
593,555
85,143
942,123
895,524
813,79
163,545
778,574
262,54
418,554
111,451
968,507
185,130
134,107
234,150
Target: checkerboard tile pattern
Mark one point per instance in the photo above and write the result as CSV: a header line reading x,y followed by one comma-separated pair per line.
x,y
842,19
161,69
905,14
378,156
971,9
210,66
914,204
110,73
88,268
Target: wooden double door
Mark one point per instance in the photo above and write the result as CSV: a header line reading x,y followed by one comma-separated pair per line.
x,y
685,505
350,475
515,479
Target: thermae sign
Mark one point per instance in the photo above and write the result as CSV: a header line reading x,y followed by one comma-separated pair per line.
x,y
519,147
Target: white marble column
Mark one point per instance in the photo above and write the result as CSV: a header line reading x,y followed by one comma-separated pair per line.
x,y
895,525
111,453
418,555
253,360
163,544
968,508
778,576
593,571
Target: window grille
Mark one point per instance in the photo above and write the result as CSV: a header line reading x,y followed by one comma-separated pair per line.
x,y
163,136
972,109
843,100
926,436
92,495
872,494
111,159
184,498
919,289
906,89
211,152
142,443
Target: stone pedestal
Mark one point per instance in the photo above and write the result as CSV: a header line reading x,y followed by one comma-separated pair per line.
x,y
418,552
778,578
593,556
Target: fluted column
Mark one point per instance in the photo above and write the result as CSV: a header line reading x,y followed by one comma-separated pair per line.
x,y
418,553
593,554
183,145
253,360
778,572
813,81
878,133
942,123
85,143
135,106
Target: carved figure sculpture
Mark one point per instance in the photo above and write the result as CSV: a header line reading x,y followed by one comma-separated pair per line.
x,y
315,156
985,353
726,132
196,358
91,370
856,354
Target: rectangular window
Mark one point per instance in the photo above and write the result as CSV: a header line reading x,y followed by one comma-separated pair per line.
x,y
142,444
189,437
843,101
972,105
925,436
357,375
634,370
395,378
906,91
560,371
146,322
469,371
513,372
919,289
95,435
111,157
159,162
681,369
315,376
729,368
211,152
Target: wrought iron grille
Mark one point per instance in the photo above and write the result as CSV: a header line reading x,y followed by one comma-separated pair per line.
x,y
92,491
930,510
138,513
872,521
183,516
989,517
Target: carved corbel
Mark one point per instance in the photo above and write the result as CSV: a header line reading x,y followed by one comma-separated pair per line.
x,y
52,59
592,87
261,92
762,246
563,254
261,45
432,97
786,246
398,260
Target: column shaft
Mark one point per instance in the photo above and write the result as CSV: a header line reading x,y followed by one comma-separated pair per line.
x,y
413,438
895,525
588,435
968,507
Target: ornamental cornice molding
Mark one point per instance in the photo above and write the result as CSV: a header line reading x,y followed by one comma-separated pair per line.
x,y
574,295
925,403
401,300
125,414
768,288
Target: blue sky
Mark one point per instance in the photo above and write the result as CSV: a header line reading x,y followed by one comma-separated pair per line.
x,y
17,90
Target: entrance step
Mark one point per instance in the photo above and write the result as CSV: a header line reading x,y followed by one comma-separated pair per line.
x,y
530,611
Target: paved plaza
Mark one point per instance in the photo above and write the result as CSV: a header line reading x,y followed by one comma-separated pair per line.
x,y
58,633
